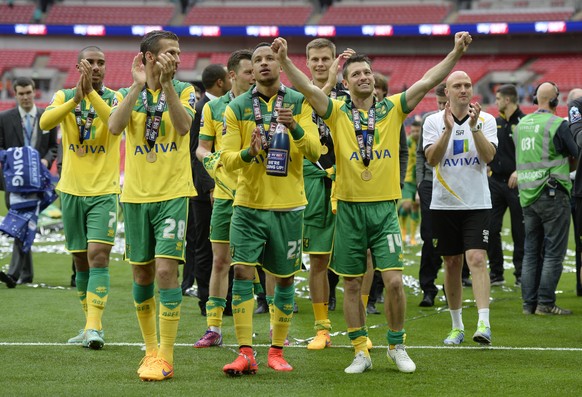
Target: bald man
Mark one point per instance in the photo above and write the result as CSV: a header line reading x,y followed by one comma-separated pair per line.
x,y
459,141
575,121
543,145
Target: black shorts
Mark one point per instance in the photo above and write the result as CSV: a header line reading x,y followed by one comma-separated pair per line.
x,y
578,220
456,231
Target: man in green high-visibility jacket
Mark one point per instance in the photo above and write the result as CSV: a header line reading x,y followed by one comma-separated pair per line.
x,y
543,144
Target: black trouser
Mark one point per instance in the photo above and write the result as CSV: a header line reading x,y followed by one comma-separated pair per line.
x,y
376,288
502,197
203,249
333,282
430,262
577,215
188,271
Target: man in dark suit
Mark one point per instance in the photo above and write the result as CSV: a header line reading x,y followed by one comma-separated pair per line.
x,y
19,127
198,247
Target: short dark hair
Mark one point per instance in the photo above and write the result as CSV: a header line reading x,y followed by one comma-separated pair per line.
x,y
211,74
381,81
88,48
416,123
261,44
318,44
151,40
235,58
440,89
509,91
23,82
356,58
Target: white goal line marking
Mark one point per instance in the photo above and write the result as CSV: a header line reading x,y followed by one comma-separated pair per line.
x,y
574,349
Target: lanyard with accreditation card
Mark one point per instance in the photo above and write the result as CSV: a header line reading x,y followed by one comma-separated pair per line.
x,y
267,135
365,144
83,127
153,122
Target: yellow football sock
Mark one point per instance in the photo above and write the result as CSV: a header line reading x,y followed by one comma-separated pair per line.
x,y
359,339
282,314
365,300
145,306
402,220
214,311
97,293
170,303
242,311
81,282
320,311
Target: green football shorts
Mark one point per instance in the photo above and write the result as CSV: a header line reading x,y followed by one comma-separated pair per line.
x,y
220,221
155,230
88,219
359,226
269,238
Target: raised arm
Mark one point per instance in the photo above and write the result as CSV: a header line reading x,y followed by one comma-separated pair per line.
x,y
334,69
120,116
315,96
437,73
181,120
56,112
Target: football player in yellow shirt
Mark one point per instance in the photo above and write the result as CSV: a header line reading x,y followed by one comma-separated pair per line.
x,y
266,224
240,70
89,185
156,112
366,136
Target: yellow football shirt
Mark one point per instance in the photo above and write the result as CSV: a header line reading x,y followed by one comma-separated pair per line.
x,y
170,176
211,129
256,189
384,164
97,172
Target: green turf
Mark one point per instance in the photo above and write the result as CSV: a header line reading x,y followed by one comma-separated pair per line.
x,y
31,319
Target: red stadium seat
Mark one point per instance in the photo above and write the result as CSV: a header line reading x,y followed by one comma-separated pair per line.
x,y
514,15
18,13
109,14
339,14
262,14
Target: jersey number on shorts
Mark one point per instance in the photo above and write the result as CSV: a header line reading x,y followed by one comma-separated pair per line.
x,y
294,249
394,240
171,228
112,218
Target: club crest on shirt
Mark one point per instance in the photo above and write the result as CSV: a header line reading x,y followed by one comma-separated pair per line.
x,y
575,115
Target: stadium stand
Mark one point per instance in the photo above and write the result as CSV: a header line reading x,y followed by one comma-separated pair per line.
x,y
405,70
259,14
17,13
16,58
109,14
349,14
558,69
516,15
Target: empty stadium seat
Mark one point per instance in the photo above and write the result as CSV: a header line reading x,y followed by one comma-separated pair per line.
x,y
18,13
339,14
109,15
249,15
517,15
